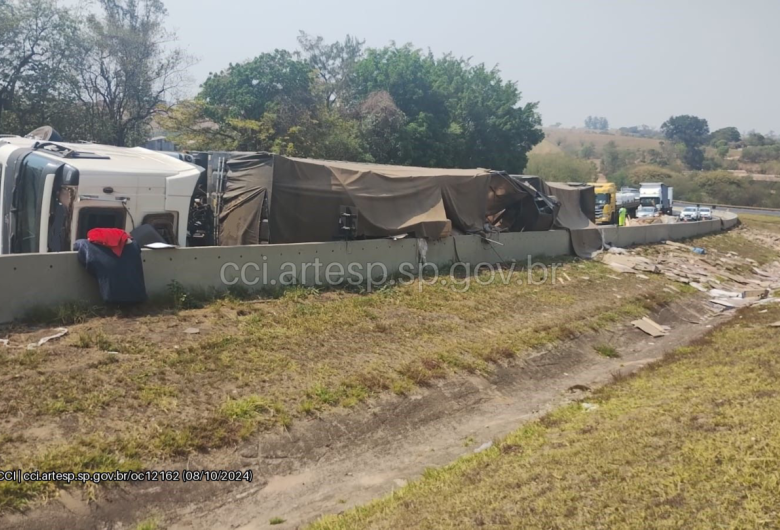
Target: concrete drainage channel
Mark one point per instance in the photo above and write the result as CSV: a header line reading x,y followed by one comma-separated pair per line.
x,y
351,457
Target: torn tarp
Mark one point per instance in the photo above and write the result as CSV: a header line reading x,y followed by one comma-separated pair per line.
x,y
515,205
576,214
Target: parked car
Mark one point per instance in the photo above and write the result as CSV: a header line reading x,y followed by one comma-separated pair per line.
x,y
705,214
646,211
691,213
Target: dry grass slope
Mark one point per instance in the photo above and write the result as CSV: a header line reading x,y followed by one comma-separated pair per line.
x,y
579,137
123,392
692,442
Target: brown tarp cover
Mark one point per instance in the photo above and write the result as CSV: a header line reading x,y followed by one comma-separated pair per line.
x,y
391,200
248,182
577,213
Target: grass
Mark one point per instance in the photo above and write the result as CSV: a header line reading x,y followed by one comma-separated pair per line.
x,y
152,523
770,223
691,442
276,520
575,139
607,351
262,363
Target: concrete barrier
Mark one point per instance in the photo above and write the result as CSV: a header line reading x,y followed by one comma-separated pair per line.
x,y
28,281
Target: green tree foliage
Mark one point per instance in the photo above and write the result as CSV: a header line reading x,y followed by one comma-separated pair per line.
x,y
754,139
456,114
759,154
726,135
614,159
103,77
690,133
392,105
588,150
260,103
561,167
38,40
128,69
597,123
332,64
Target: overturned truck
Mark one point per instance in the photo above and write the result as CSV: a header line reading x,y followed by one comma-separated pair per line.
x,y
52,193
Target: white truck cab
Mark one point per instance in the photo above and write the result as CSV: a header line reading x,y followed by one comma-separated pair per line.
x,y
53,193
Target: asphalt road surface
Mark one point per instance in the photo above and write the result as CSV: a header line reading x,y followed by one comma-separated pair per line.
x,y
737,210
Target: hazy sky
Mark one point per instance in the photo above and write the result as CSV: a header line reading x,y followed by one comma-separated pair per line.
x,y
635,62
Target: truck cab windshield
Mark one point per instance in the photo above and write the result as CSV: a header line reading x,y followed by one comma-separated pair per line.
x,y
602,199
28,203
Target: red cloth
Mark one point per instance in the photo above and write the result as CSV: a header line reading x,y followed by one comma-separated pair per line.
x,y
113,238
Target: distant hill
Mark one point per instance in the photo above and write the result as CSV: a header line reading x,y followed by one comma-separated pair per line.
x,y
576,138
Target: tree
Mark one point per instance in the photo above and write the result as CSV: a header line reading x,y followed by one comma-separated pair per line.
x,y
252,106
596,123
561,167
754,139
394,105
37,40
614,159
457,114
588,150
128,71
332,63
382,125
726,134
691,133
650,173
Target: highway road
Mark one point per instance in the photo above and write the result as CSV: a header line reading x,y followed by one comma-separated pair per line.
x,y
735,209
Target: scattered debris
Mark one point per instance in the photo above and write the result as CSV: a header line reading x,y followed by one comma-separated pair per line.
x,y
192,331
774,325
715,273
4,342
650,327
719,293
60,332
629,264
755,293
730,304
589,406
761,273
484,447
579,388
